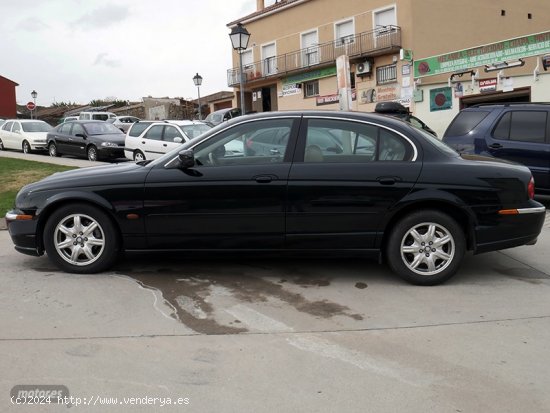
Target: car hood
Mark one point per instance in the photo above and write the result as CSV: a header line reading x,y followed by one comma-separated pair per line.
x,y
123,173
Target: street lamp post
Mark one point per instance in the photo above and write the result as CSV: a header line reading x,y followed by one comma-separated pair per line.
x,y
197,80
34,95
239,40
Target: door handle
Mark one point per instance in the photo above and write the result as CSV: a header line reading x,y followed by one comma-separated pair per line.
x,y
495,146
164,144
264,179
143,142
388,180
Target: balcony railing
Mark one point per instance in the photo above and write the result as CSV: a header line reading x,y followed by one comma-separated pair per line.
x,y
379,41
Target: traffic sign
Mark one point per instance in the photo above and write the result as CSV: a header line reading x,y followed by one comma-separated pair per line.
x,y
31,106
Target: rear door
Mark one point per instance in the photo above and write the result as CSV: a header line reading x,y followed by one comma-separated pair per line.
x,y
6,136
522,136
151,142
339,192
61,136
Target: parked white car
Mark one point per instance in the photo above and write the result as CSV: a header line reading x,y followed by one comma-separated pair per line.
x,y
25,135
160,137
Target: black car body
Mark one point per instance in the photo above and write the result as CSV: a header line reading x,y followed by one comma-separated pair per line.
x,y
518,132
390,190
90,139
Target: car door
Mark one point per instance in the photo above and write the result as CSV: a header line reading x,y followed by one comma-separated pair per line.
x,y
169,134
6,136
151,142
61,136
338,195
522,136
225,201
77,140
16,136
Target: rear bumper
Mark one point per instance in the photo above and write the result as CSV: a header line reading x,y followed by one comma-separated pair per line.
x,y
497,232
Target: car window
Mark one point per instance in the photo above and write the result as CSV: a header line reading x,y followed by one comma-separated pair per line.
x,y
170,132
192,131
36,127
528,126
7,126
101,128
16,127
502,130
236,146
66,128
351,142
155,133
465,122
138,128
97,116
77,128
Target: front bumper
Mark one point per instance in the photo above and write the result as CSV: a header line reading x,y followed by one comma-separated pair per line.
x,y
23,234
110,151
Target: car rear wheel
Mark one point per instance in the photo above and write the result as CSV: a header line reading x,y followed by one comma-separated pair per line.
x,y
80,238
92,153
52,150
26,147
139,156
1,145
426,247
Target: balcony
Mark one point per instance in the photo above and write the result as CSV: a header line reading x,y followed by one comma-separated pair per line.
x,y
376,42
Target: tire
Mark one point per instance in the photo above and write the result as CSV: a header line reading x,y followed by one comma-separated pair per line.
x,y
2,145
52,150
138,156
26,147
406,249
82,239
91,152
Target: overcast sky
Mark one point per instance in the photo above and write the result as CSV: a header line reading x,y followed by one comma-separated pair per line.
x,y
80,50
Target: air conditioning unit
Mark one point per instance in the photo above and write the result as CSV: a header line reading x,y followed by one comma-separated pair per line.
x,y
364,68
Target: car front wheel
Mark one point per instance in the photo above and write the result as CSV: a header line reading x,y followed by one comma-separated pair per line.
x,y
26,147
426,247
92,153
80,238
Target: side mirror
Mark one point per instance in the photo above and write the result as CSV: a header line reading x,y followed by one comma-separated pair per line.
x,y
177,139
186,158
80,135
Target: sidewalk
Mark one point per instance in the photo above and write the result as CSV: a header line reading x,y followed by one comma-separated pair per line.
x,y
81,163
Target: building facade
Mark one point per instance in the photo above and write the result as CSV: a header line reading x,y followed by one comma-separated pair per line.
x,y
8,105
294,45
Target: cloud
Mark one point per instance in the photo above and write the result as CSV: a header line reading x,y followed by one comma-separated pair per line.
x,y
102,59
32,24
102,17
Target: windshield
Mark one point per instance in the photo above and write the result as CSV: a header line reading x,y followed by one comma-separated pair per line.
x,y
196,130
102,128
36,127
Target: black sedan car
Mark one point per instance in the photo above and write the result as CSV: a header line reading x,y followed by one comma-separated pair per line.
x,y
95,140
389,191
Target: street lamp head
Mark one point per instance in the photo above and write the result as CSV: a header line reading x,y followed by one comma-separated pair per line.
x,y
239,37
34,94
197,79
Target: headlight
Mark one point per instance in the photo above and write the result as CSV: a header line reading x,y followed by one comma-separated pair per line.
x,y
110,144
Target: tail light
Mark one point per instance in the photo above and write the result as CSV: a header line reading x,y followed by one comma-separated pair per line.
x,y
531,189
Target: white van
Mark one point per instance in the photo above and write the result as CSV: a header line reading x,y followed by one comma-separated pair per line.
x,y
96,115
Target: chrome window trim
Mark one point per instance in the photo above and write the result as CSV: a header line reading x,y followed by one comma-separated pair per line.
x,y
415,150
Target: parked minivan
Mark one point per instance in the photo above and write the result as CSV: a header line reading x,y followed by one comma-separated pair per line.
x,y
96,115
518,132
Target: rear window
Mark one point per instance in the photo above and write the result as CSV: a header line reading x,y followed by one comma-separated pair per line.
x,y
465,122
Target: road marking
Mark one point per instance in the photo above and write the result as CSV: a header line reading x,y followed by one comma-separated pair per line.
x,y
256,320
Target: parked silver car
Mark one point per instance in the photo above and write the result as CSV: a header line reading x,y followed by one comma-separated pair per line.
x,y
123,122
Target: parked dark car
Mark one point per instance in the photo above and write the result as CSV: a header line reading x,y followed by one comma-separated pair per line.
x,y
94,139
397,110
518,132
392,192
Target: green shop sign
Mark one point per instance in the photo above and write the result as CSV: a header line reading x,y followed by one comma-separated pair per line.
x,y
488,54
315,74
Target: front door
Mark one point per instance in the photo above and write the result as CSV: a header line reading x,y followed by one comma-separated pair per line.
x,y
232,198
345,178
